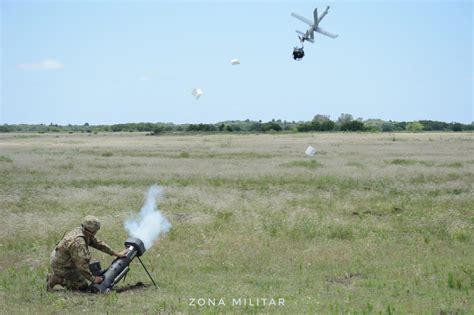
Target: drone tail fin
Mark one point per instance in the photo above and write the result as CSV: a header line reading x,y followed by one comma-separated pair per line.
x,y
315,16
324,13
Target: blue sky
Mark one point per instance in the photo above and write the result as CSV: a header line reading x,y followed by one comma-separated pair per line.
x,y
105,62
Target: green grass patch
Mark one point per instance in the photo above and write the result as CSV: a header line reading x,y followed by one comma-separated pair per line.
x,y
303,229
386,240
401,162
461,279
340,232
453,164
235,155
312,164
66,167
355,164
462,236
184,155
424,163
28,136
4,158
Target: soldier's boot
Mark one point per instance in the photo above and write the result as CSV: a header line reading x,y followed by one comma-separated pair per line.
x,y
51,281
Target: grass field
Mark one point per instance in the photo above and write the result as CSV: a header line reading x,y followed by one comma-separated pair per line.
x,y
374,223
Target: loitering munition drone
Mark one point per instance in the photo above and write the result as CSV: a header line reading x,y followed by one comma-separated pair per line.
x,y
298,53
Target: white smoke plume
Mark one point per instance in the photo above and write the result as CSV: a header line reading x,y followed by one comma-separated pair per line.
x,y
150,223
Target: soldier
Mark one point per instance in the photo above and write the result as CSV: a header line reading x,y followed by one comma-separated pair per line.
x,y
70,259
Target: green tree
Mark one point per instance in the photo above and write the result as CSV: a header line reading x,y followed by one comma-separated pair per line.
x,y
354,125
398,126
256,126
429,125
344,118
157,130
387,126
414,126
320,118
5,128
271,126
456,127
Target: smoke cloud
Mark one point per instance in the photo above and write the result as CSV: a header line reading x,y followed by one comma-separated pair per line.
x,y
150,223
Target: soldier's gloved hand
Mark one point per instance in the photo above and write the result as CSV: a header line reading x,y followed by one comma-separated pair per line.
x,y
98,280
121,254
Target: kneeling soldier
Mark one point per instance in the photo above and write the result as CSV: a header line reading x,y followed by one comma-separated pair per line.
x,y
70,259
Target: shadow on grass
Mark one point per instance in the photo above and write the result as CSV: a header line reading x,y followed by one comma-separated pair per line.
x,y
131,287
126,288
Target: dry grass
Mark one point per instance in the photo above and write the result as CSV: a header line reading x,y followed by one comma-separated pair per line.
x,y
373,223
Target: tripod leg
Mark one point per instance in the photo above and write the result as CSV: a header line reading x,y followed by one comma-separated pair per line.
x,y
147,271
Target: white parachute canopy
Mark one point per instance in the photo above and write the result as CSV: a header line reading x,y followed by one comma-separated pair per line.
x,y
197,92
235,62
310,151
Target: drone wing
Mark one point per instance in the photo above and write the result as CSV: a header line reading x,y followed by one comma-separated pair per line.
x,y
321,31
302,19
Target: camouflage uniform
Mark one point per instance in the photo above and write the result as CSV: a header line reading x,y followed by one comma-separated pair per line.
x,y
70,259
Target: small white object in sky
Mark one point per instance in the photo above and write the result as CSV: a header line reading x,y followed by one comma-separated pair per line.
x,y
310,151
197,93
235,62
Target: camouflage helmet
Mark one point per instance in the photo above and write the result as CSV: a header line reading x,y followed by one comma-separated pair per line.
x,y
91,223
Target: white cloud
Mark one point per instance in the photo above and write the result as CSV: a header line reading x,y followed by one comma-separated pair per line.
x,y
46,64
145,78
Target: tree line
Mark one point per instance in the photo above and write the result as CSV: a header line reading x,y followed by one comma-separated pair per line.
x,y
319,123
